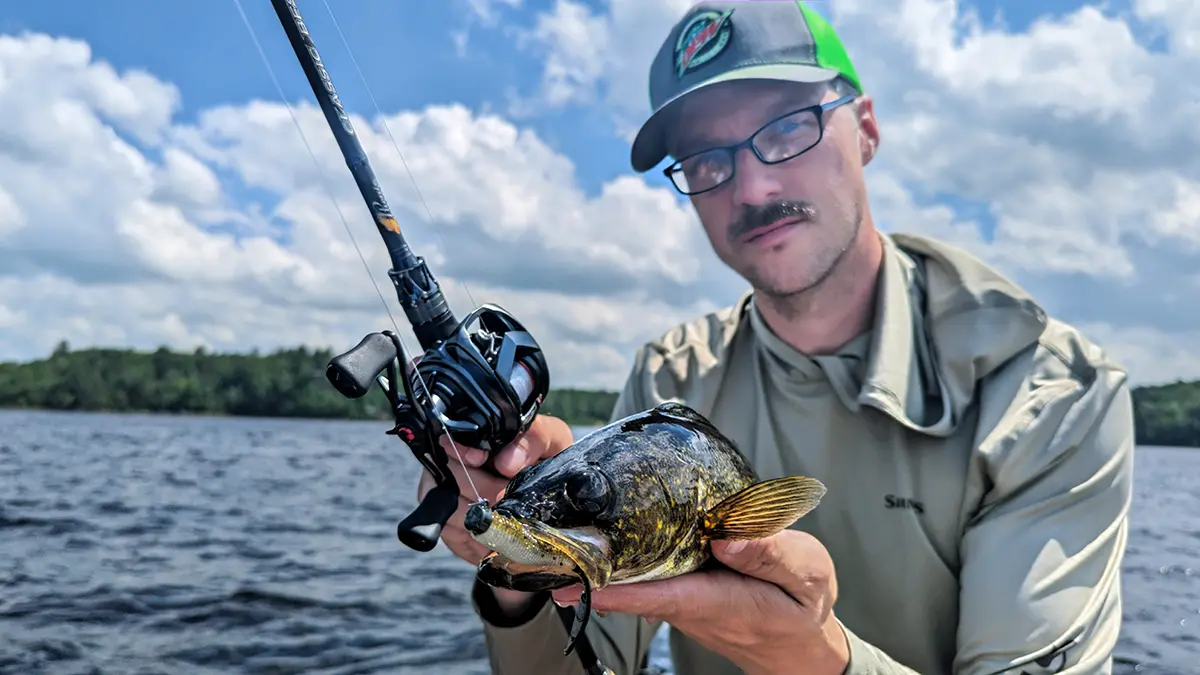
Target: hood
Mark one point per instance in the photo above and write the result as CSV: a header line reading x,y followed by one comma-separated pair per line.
x,y
944,320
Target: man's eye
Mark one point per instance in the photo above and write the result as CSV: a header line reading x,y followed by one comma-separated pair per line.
x,y
704,166
792,127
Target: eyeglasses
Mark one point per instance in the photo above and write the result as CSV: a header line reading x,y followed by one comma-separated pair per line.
x,y
779,140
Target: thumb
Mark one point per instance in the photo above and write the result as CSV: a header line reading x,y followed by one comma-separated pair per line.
x,y
747,556
792,560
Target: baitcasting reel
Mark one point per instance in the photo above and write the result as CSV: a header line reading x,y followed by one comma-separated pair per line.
x,y
483,385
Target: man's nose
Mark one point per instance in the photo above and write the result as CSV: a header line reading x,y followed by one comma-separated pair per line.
x,y
753,181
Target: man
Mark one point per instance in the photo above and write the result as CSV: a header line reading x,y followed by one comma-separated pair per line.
x,y
977,453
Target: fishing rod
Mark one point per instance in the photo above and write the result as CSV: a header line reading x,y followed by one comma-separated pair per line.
x,y
481,381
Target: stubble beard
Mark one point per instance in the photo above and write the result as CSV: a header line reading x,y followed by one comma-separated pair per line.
x,y
791,298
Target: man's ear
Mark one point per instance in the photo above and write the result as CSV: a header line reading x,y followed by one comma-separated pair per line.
x,y
868,128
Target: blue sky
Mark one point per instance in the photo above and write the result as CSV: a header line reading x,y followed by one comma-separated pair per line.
x,y
1108,242
406,49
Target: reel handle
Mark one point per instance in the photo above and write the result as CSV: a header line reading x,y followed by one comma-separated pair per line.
x,y
423,527
353,372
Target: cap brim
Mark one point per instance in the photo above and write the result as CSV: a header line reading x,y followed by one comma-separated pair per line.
x,y
650,146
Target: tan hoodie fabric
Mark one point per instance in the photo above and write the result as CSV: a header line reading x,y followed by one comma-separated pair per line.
x,y
978,457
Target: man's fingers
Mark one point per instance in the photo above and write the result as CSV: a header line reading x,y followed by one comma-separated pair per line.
x,y
512,459
545,437
507,462
462,545
487,484
472,457
666,599
466,545
457,519
458,539
791,559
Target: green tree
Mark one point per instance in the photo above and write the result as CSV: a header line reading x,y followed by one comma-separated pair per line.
x,y
291,383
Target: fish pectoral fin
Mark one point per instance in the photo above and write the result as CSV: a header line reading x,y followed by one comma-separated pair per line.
x,y
763,509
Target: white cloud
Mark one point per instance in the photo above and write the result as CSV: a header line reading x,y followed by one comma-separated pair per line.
x,y
578,42
11,216
1077,139
1151,354
586,61
185,180
130,234
487,10
119,225
63,70
1179,18
485,13
1067,154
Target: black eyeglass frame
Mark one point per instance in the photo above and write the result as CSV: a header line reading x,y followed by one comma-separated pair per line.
x,y
819,111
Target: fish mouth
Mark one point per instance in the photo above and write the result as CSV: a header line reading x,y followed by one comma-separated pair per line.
x,y
531,555
500,572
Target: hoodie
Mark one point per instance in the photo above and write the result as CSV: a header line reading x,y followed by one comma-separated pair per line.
x,y
978,456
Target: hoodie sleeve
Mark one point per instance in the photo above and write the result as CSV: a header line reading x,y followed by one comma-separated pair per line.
x,y
534,643
1041,559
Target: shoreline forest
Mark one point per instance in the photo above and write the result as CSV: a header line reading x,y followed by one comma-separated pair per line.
x,y
291,383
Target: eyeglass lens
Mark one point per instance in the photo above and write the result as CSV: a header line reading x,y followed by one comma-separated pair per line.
x,y
780,140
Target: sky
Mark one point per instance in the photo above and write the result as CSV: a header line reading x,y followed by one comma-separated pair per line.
x,y
154,189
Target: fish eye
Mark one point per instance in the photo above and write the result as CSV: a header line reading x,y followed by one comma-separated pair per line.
x,y
589,491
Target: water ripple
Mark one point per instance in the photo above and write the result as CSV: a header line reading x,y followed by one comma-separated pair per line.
x,y
147,545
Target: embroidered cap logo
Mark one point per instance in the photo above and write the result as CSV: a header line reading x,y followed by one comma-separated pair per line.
x,y
701,40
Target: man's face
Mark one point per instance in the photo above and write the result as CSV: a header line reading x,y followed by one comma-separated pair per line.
x,y
783,227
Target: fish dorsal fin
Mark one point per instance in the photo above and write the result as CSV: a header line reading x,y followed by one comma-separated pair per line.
x,y
764,508
680,412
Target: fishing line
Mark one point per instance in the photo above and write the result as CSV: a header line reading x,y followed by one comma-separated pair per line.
x,y
383,119
346,223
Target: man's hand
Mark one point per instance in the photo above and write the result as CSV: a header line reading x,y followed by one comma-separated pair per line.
x,y
772,612
547,436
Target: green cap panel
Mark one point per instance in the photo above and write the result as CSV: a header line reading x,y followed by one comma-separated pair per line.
x,y
830,51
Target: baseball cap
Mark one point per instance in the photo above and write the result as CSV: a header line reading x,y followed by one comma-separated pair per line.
x,y
718,42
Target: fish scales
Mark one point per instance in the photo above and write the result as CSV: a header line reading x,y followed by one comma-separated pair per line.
x,y
653,474
638,499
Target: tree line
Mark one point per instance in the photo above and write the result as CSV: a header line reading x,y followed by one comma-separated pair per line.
x,y
291,383
285,383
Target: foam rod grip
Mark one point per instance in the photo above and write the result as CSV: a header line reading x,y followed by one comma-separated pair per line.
x,y
353,373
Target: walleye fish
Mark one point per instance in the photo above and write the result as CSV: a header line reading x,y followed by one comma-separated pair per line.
x,y
636,500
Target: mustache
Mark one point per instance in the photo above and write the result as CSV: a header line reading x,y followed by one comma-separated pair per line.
x,y
754,217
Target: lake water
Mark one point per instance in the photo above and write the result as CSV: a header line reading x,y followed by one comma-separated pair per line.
x,y
132,545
